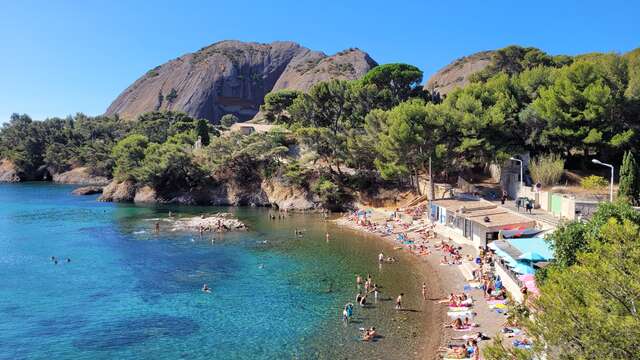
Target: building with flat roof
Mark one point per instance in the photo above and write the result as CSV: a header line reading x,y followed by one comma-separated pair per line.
x,y
475,219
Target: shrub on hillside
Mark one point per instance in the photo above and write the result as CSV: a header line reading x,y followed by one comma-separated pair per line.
x,y
547,169
594,182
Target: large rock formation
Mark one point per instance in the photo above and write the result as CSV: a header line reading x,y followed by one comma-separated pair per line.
x,y
233,77
8,171
457,73
257,193
79,176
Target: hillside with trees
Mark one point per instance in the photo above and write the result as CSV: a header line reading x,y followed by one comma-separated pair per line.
x,y
343,138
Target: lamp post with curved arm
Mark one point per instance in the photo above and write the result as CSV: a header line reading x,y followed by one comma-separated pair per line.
x,y
596,161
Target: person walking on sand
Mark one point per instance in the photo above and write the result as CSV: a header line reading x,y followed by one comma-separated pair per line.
x,y
399,301
424,291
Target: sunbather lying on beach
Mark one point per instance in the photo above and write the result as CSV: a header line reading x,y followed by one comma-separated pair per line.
x,y
477,336
458,324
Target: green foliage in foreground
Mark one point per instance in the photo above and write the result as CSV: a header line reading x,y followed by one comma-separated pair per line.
x,y
589,310
588,307
574,237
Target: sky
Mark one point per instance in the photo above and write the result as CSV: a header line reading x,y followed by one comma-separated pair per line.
x,y
58,58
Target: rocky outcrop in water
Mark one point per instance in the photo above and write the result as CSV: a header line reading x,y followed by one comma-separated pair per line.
x,y
261,193
8,172
457,73
79,176
217,222
123,191
87,190
232,77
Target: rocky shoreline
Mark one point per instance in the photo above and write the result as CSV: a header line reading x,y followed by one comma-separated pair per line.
x,y
268,193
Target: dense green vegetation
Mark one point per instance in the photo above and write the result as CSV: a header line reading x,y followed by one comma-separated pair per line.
x,y
589,296
381,130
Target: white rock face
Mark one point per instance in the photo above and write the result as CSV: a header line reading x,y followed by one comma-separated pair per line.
x,y
219,222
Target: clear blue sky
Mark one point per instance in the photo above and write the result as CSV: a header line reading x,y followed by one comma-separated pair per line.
x,y
62,57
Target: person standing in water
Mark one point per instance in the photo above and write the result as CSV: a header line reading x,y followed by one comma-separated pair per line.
x,y
381,257
327,237
399,301
358,282
375,292
424,291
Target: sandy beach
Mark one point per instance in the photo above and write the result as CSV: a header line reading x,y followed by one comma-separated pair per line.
x,y
442,280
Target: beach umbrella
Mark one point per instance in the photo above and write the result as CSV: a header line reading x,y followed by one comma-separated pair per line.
x,y
532,256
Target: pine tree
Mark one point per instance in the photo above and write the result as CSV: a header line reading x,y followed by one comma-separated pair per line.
x,y
629,179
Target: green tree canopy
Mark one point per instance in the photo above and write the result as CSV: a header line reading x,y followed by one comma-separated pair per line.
x,y
228,119
168,167
589,310
128,155
276,104
402,81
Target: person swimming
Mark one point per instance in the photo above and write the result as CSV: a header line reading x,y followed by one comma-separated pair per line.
x,y
369,334
205,288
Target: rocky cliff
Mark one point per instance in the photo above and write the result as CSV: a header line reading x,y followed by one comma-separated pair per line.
x,y
232,77
8,171
457,73
261,193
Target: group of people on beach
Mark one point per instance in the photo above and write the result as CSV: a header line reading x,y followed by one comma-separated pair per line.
x,y
452,254
488,281
460,305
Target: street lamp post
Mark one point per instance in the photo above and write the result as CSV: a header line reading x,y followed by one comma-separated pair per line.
x,y
596,161
521,166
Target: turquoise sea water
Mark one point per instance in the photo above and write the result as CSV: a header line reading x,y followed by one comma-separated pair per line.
x,y
129,293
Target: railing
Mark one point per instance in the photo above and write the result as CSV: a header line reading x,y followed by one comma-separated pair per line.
x,y
507,269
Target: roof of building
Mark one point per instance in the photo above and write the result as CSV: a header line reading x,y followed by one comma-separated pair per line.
x,y
468,204
477,209
502,219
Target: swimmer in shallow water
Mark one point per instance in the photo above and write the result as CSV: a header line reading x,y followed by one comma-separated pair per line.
x,y
369,334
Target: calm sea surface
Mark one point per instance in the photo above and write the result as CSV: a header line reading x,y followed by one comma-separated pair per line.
x,y
129,293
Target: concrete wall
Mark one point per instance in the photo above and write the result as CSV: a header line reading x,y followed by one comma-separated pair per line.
x,y
543,201
479,235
